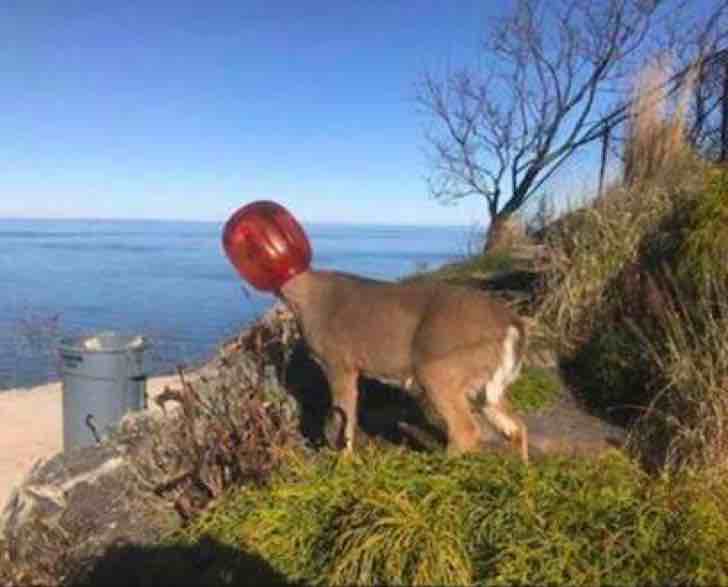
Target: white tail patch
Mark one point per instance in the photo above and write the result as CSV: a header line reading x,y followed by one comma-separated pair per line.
x,y
507,371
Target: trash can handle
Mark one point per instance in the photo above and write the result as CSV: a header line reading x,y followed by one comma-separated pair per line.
x,y
92,428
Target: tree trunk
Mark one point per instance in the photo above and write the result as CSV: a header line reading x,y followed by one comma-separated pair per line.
x,y
603,162
724,114
504,232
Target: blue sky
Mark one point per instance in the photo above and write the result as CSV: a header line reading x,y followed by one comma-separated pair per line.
x,y
186,110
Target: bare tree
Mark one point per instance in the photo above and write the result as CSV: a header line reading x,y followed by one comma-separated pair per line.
x,y
555,79
709,107
697,44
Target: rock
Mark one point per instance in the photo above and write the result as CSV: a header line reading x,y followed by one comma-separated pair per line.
x,y
565,428
72,507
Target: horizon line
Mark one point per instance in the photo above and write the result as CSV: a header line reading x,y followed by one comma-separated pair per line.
x,y
190,221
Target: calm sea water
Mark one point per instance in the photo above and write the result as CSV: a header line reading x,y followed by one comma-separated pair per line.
x,y
166,280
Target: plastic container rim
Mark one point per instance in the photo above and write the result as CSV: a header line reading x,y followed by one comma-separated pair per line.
x,y
75,344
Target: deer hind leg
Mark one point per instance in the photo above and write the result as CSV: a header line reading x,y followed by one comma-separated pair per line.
x,y
453,406
509,424
463,433
497,409
344,395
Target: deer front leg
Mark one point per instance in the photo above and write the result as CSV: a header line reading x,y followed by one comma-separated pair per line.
x,y
344,395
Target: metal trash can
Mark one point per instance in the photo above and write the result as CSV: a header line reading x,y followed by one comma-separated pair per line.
x,y
103,379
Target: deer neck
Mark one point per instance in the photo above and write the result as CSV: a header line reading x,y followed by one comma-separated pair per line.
x,y
311,296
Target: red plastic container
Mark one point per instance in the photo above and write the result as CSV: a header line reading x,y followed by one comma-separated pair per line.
x,y
266,244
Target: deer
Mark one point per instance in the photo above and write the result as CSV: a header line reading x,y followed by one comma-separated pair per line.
x,y
459,346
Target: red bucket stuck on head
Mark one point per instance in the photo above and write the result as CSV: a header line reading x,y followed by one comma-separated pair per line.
x,y
266,244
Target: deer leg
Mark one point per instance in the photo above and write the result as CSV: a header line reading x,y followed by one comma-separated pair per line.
x,y
344,394
497,409
502,418
463,433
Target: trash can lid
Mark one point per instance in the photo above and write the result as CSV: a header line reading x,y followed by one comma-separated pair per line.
x,y
104,342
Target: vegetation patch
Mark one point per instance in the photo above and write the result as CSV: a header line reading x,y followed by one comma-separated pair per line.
x,y
471,268
705,246
611,374
634,296
396,517
687,417
225,429
535,388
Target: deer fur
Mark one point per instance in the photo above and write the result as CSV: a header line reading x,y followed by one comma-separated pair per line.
x,y
461,347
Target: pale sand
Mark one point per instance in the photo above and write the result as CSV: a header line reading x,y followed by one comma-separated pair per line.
x,y
31,428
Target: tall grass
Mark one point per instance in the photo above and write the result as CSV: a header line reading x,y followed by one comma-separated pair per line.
x,y
689,413
704,250
592,245
587,252
656,145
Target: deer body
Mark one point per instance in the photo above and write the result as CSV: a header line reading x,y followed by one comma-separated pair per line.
x,y
462,348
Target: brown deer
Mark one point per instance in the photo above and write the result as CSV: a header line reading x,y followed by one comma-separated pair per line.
x,y
459,346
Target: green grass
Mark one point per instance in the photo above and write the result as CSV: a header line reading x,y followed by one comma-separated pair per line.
x,y
395,517
535,388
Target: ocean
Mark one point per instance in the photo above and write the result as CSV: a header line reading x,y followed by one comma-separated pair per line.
x,y
168,281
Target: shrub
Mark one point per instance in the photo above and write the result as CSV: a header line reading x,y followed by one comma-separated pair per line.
x,y
229,428
613,374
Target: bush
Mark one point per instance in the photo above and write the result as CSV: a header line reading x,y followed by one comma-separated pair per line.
x,y
229,428
633,297
612,374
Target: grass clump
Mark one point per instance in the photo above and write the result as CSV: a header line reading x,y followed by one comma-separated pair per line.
x,y
687,416
588,252
394,517
535,388
631,224
366,521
